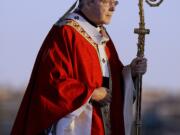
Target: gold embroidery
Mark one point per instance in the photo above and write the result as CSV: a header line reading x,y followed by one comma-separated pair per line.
x,y
77,27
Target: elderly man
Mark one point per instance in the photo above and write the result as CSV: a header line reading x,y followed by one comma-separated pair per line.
x,y
77,85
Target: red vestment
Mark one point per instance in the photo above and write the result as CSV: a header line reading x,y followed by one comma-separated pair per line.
x,y
66,72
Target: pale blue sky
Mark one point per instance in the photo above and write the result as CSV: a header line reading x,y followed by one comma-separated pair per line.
x,y
25,23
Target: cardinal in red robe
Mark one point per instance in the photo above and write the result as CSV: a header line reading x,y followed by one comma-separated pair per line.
x,y
76,58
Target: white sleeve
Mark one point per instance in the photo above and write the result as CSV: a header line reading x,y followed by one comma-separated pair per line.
x,y
128,99
76,123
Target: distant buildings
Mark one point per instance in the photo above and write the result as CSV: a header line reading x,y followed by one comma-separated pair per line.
x,y
161,113
9,104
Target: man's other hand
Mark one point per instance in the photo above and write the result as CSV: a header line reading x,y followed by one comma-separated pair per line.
x,y
138,66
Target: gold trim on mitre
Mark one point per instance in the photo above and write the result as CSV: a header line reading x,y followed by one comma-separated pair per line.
x,y
70,10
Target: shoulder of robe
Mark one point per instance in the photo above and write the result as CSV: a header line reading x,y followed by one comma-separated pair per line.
x,y
64,22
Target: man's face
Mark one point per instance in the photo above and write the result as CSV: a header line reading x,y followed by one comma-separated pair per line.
x,y
102,10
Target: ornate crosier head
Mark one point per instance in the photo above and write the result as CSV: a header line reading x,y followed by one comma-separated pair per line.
x,y
154,3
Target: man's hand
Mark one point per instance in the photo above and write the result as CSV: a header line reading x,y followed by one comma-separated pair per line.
x,y
138,66
101,94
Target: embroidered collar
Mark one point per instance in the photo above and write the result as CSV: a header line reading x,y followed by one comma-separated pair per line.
x,y
92,31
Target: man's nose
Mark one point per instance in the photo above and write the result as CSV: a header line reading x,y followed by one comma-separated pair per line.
x,y
113,5
112,9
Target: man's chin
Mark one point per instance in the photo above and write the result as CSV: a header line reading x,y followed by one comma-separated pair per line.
x,y
103,21
107,22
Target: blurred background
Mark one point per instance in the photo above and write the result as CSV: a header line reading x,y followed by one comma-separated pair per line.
x,y
24,25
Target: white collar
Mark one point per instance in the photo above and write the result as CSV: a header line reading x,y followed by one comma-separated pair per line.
x,y
92,31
